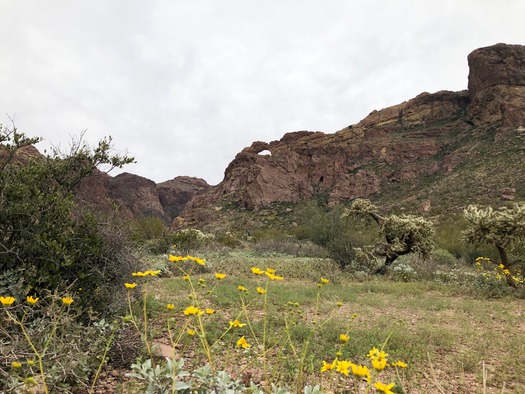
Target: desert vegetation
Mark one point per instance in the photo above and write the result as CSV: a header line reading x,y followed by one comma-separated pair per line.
x,y
91,303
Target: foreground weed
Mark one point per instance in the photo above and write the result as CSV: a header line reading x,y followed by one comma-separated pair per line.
x,y
39,322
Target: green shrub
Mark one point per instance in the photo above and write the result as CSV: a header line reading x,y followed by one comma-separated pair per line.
x,y
46,240
325,226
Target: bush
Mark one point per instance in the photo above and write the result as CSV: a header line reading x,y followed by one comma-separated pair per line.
x,y
47,241
325,227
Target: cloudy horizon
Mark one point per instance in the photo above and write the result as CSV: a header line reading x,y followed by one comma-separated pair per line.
x,y
184,86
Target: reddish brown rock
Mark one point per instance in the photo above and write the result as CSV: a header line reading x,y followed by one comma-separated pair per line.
x,y
497,85
420,111
136,196
177,192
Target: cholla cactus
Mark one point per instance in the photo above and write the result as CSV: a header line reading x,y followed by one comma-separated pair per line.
x,y
403,234
500,227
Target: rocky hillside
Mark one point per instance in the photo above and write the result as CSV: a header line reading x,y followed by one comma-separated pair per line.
x,y
435,152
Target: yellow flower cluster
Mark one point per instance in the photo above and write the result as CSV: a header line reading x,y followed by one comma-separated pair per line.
x,y
67,300
378,359
499,272
7,300
146,273
346,367
270,273
186,258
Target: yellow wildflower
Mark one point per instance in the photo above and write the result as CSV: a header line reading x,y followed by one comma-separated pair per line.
x,y
399,364
273,276
220,276
151,273
67,300
30,362
138,273
257,271
344,338
192,310
175,258
197,260
379,363
7,300
130,285
242,288
16,364
170,306
237,323
339,304
361,370
186,277
191,332
242,342
210,311
373,352
260,290
343,367
384,388
327,366
270,270
324,281
32,300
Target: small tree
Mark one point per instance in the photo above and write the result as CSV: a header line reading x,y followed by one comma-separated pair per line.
x,y
46,240
402,234
501,228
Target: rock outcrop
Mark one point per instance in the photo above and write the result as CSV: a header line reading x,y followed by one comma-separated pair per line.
x,y
136,196
405,143
496,85
177,192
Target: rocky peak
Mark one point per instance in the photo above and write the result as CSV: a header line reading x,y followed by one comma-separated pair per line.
x,y
496,85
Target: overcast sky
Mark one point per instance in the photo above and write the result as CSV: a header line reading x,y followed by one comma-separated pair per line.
x,y
184,85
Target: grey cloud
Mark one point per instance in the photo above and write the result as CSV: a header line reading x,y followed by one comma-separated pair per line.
x,y
184,86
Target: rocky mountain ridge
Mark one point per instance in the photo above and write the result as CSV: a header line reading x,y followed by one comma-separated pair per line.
x,y
435,152
137,197
415,152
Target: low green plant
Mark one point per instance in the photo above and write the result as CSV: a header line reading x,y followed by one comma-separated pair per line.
x,y
38,337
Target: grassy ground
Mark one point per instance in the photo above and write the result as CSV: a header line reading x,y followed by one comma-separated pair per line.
x,y
454,340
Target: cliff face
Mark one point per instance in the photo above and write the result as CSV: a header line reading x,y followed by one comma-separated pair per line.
x,y
136,196
496,85
424,138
